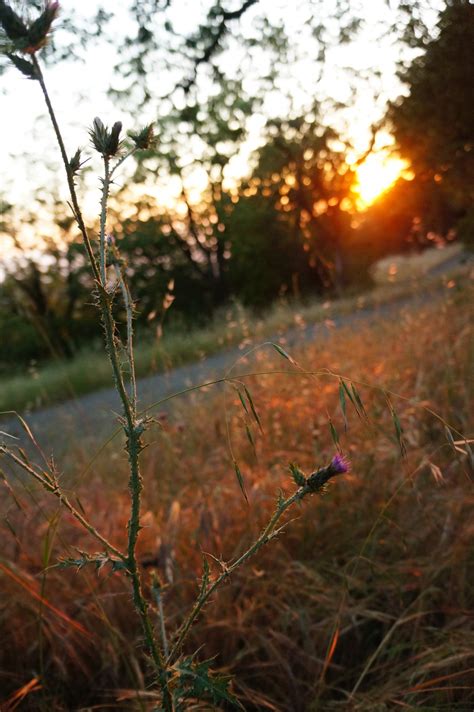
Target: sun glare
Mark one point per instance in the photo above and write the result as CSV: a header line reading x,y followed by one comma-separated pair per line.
x,y
376,174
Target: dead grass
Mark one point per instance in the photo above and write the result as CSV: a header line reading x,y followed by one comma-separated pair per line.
x,y
364,603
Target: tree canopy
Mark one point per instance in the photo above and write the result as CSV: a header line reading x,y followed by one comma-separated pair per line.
x,y
434,123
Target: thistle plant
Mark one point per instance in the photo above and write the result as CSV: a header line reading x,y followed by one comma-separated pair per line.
x,y
171,671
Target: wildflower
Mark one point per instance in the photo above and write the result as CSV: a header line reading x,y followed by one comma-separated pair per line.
x,y
338,466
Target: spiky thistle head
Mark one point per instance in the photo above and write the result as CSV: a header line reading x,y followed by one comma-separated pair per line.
x,y
12,24
339,465
106,141
144,138
39,31
28,38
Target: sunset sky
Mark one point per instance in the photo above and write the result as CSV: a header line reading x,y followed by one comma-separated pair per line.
x,y
79,91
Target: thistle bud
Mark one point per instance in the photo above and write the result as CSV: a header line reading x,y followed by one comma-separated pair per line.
x,y
75,162
39,30
105,141
338,466
113,142
98,135
13,25
144,138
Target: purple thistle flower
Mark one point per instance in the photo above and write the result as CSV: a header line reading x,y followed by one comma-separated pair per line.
x,y
339,464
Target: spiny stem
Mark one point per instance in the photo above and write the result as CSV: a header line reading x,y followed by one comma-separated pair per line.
x,y
53,487
122,160
127,299
69,173
103,221
263,539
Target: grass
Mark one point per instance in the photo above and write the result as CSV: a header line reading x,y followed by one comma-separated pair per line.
x,y
363,603
90,370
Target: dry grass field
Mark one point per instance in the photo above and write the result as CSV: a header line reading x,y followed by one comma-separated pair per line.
x,y
363,602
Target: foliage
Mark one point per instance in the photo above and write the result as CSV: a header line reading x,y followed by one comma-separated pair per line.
x,y
433,123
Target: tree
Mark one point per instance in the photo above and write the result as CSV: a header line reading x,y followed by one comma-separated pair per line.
x,y
302,175
433,124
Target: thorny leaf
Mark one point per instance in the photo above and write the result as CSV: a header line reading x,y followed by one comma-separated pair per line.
x,y
197,681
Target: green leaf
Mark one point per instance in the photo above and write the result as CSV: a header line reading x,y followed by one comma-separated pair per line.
x,y
240,480
197,681
244,404
348,393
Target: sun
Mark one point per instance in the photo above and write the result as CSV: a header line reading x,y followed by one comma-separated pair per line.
x,y
376,174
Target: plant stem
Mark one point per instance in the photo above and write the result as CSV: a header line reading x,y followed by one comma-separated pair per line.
x,y
127,300
69,173
103,221
53,487
263,539
132,427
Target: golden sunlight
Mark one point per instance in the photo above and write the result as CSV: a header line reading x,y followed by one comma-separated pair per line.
x,y
376,174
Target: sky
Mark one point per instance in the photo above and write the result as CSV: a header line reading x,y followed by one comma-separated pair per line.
x,y
79,91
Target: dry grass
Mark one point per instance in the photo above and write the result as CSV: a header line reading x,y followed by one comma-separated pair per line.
x,y
397,269
364,603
